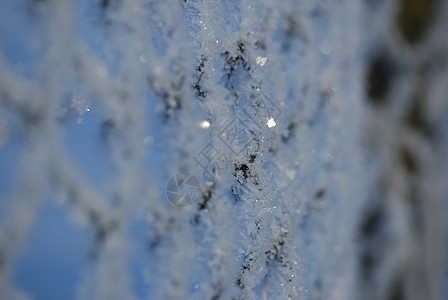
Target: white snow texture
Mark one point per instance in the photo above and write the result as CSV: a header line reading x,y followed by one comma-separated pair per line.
x,y
317,130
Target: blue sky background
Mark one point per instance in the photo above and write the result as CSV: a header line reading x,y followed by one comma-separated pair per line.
x,y
56,254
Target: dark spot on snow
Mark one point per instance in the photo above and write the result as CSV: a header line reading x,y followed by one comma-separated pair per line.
x,y
371,223
236,192
106,128
415,117
155,241
171,94
320,193
31,117
396,290
101,229
367,264
248,261
408,160
257,223
206,196
414,19
200,91
239,283
242,169
175,283
260,44
216,297
104,4
287,134
2,260
293,30
196,218
273,148
370,236
104,231
318,284
233,62
379,78
275,253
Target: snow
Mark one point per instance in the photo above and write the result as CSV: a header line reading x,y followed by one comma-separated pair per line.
x,y
317,131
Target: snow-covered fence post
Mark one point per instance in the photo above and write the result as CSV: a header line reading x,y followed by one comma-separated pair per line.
x,y
226,149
